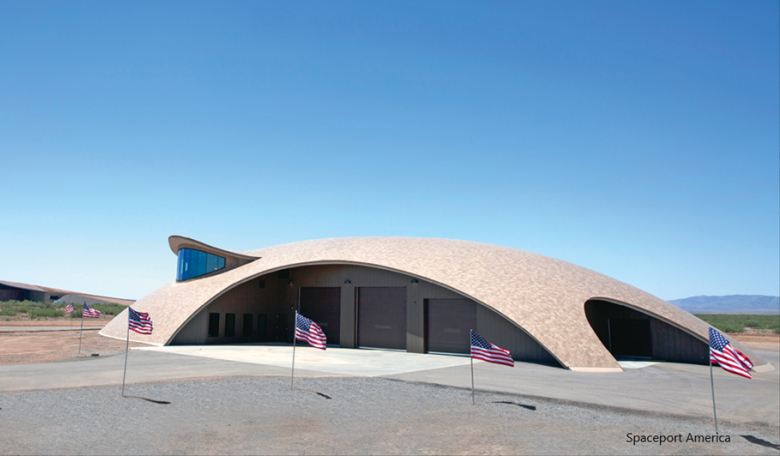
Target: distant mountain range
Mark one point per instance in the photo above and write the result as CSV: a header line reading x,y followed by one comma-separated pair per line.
x,y
734,304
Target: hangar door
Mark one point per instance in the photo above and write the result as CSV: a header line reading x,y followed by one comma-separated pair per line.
x,y
447,325
382,317
323,306
628,332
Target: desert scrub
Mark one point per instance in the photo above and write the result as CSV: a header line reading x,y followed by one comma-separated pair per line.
x,y
44,313
35,309
738,323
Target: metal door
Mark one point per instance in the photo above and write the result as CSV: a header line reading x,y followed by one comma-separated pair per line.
x,y
322,305
447,324
382,317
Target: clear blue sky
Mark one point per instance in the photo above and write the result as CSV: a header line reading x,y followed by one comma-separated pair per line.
x,y
638,139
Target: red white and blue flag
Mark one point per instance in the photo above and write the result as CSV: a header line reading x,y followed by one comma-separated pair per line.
x,y
139,321
484,350
728,357
90,313
307,330
69,309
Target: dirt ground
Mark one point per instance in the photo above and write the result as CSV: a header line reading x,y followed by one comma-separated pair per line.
x,y
21,320
28,347
759,341
36,346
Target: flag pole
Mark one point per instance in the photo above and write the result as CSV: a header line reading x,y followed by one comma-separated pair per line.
x,y
472,373
472,381
292,373
712,383
127,347
81,330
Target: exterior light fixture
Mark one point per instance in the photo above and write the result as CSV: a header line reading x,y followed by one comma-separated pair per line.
x,y
347,281
415,281
291,283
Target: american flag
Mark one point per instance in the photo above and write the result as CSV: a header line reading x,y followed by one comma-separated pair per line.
x,y
482,349
309,331
728,357
139,322
69,309
90,313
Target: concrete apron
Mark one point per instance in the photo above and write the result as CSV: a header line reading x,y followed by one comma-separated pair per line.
x,y
344,361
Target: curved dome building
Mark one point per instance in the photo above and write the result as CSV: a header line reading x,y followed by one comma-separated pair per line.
x,y
419,295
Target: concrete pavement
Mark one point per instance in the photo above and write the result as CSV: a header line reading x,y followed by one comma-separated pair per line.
x,y
671,388
680,389
342,361
142,367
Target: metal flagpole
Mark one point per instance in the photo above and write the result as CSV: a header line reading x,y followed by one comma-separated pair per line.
x,y
127,347
712,383
81,331
472,381
472,371
292,374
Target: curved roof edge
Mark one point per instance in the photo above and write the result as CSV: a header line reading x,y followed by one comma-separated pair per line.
x,y
180,242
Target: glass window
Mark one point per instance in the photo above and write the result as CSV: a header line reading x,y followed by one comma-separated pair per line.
x,y
230,325
213,325
194,263
201,263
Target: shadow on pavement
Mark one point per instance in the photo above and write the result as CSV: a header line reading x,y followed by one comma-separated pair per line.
x,y
150,400
529,407
761,442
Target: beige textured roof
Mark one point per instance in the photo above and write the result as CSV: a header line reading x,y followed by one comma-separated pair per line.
x,y
542,295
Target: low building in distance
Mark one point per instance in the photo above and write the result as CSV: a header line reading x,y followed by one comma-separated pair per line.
x,y
22,291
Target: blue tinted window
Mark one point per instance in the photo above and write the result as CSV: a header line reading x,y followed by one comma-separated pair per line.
x,y
201,263
194,263
211,262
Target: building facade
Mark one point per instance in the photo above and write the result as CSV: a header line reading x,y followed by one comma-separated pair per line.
x,y
419,295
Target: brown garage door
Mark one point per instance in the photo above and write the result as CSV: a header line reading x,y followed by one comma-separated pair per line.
x,y
323,306
382,317
447,324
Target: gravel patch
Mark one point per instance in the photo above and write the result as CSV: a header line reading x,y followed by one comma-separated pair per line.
x,y
363,416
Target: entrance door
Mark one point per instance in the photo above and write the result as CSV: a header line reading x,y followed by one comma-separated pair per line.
x,y
280,329
447,324
382,317
262,332
322,305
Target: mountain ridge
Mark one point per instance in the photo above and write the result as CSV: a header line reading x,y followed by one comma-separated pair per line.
x,y
733,304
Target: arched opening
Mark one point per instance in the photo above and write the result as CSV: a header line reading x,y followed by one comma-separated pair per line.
x,y
630,334
356,306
